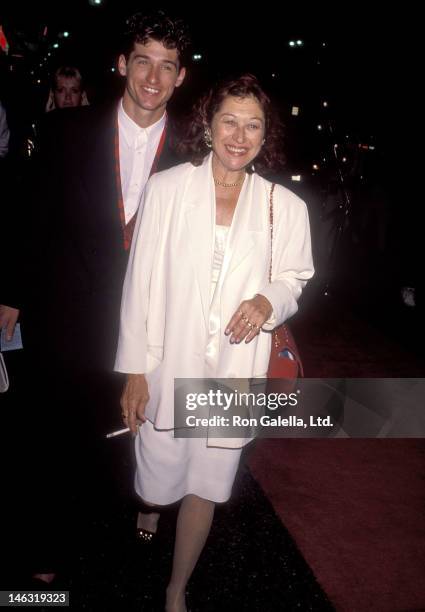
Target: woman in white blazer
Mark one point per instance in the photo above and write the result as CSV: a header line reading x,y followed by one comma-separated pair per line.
x,y
197,302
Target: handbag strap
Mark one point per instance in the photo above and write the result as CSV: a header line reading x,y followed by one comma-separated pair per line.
x,y
271,231
275,334
287,338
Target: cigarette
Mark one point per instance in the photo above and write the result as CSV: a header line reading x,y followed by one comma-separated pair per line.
x,y
118,432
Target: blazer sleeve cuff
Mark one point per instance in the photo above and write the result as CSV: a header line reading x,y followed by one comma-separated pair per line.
x,y
283,303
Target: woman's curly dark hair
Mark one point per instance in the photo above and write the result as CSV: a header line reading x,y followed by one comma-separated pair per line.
x,y
171,32
271,157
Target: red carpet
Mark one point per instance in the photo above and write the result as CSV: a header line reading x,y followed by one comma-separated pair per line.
x,y
356,510
354,507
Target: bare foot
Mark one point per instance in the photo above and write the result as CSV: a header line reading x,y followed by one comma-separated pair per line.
x,y
47,578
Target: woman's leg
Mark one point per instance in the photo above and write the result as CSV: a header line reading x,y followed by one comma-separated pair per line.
x,y
193,526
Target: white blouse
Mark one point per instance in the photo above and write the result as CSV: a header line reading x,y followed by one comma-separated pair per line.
x,y
220,243
221,234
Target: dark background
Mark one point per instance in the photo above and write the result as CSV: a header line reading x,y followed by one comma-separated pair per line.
x,y
363,71
367,72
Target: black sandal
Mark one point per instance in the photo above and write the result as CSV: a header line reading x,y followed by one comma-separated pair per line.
x,y
144,535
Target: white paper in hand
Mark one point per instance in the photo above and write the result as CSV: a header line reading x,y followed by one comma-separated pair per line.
x,y
16,341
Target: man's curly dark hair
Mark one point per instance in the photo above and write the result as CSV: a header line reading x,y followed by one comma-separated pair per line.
x,y
193,147
157,25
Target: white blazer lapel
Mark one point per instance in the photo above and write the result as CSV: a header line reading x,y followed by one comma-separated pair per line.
x,y
247,223
199,201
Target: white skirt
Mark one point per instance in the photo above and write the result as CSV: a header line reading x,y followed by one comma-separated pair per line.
x,y
169,468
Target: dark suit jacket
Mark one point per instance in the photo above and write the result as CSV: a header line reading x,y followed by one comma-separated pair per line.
x,y
75,260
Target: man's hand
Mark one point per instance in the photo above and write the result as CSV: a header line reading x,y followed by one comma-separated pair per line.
x,y
8,318
134,398
249,319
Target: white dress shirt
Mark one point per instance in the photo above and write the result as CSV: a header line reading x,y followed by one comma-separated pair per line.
x,y
137,153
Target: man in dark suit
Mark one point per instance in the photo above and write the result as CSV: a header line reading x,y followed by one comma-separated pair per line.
x,y
92,168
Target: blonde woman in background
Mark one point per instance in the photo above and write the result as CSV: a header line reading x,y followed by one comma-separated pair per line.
x,y
67,89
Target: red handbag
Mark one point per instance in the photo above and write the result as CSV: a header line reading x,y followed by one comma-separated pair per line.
x,y
285,361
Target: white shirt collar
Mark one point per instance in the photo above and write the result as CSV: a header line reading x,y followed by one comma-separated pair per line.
x,y
130,130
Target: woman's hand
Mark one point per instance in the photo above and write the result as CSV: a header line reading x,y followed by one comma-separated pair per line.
x,y
248,319
8,318
134,398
